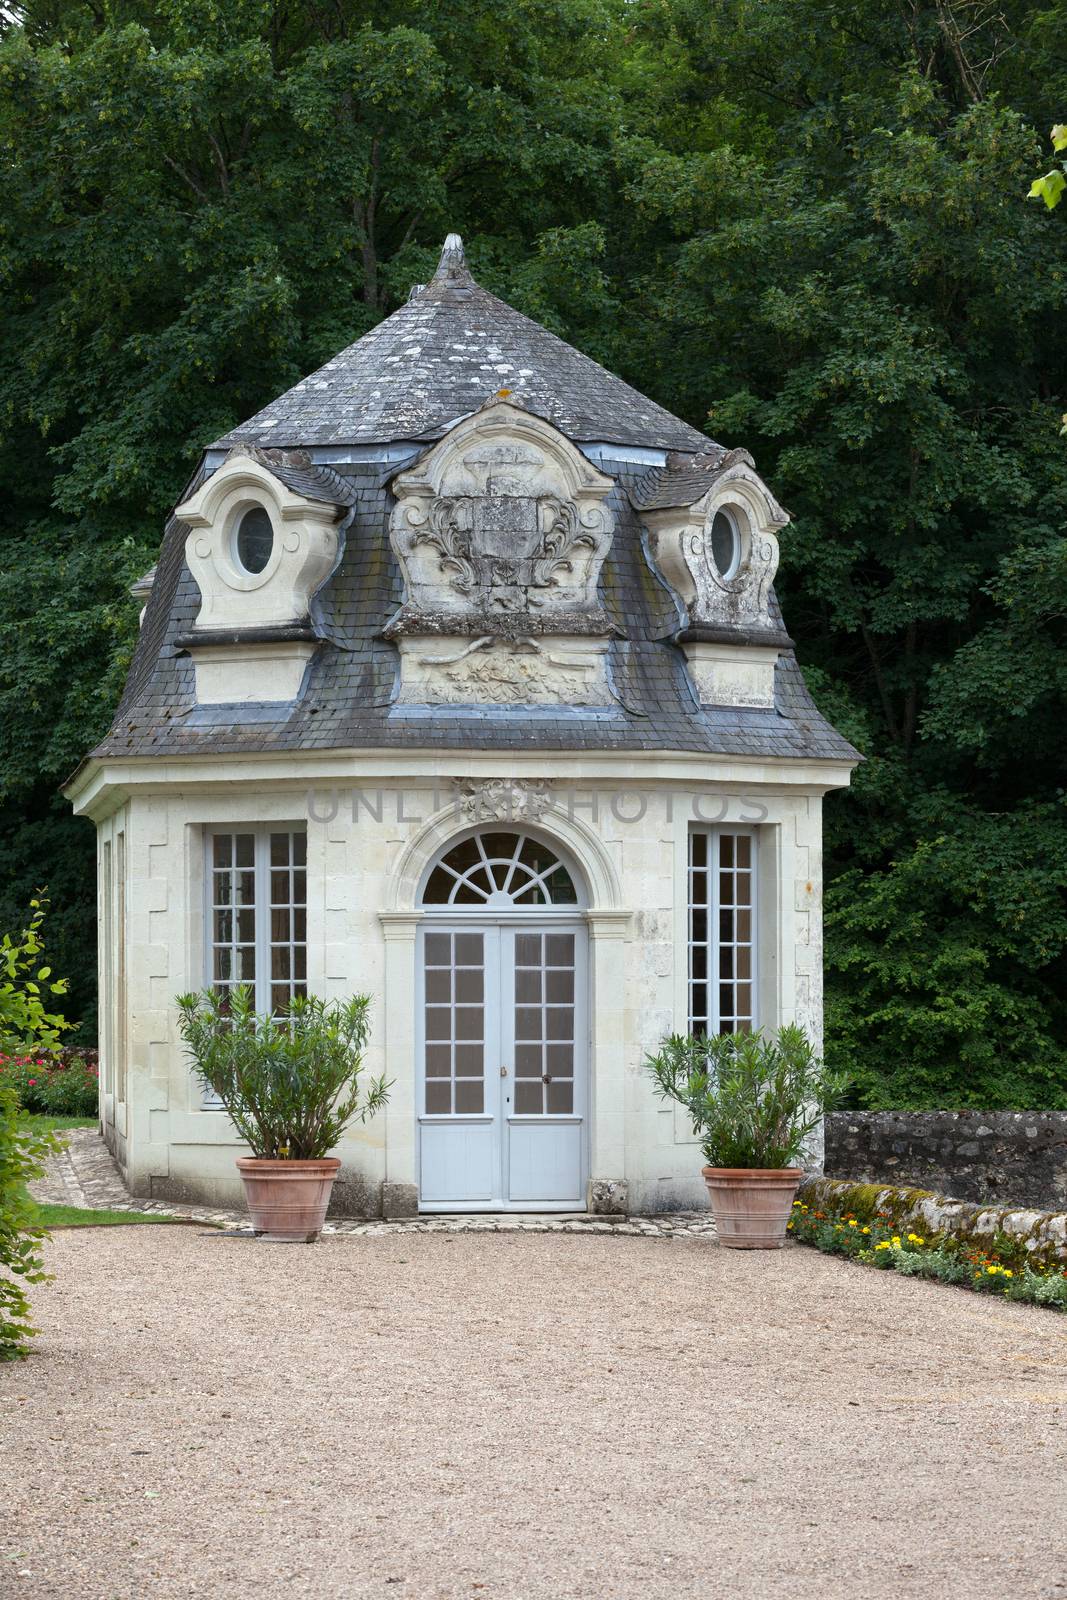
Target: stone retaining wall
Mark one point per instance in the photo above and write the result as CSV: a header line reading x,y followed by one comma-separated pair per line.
x,y
1043,1234
1005,1157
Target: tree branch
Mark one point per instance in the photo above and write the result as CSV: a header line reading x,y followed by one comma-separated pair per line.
x,y
185,176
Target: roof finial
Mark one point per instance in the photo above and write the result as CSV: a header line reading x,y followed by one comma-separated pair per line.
x,y
453,263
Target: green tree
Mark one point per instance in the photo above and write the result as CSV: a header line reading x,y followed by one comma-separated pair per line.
x,y
198,206
844,269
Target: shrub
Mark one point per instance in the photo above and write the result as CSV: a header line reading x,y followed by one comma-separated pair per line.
x,y
753,1102
291,1085
21,1155
61,1083
24,980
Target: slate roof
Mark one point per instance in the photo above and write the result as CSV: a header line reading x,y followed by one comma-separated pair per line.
x,y
684,479
445,353
295,469
453,347
349,701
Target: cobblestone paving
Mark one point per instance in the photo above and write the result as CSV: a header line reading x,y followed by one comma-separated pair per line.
x,y
85,1176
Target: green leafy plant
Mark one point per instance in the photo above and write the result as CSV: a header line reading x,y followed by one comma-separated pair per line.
x,y
291,1085
1050,187
22,1153
753,1101
24,981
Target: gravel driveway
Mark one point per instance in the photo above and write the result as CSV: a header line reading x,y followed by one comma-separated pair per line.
x,y
524,1416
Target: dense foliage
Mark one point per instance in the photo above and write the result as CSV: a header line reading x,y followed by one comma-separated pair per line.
x,y
22,1154
753,1101
291,1086
54,1083
802,223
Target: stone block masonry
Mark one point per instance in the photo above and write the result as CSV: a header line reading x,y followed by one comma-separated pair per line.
x,y
989,1157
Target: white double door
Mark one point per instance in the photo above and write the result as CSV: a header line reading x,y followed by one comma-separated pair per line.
x,y
503,1050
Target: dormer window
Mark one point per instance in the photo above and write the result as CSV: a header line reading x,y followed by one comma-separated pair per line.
x,y
263,536
726,543
712,524
253,541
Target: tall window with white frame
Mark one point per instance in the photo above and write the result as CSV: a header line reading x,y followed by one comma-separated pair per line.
x,y
257,913
722,931
107,945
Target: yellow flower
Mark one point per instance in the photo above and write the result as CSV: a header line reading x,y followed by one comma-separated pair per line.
x,y
865,1230
796,1202
882,1245
992,1271
852,1222
1008,1273
896,1240
916,1238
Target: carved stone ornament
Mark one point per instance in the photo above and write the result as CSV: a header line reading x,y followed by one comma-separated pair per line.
x,y
503,799
534,671
681,543
502,519
302,551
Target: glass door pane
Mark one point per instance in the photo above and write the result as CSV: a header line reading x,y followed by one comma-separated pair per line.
x,y
455,1023
544,1024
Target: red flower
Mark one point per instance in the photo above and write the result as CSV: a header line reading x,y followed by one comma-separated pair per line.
x,y
31,1081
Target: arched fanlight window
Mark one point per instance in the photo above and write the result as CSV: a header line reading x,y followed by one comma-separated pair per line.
x,y
500,871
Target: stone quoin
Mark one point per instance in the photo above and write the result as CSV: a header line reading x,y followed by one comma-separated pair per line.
x,y
524,620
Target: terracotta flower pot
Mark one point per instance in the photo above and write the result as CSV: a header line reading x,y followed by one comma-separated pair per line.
x,y
287,1200
752,1204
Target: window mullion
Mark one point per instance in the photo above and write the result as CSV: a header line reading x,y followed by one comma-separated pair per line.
x,y
714,932
262,857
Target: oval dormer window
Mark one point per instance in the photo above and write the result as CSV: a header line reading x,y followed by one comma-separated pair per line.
x,y
254,541
726,543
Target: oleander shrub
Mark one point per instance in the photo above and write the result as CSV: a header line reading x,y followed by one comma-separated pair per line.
x,y
291,1084
57,1083
21,1157
753,1101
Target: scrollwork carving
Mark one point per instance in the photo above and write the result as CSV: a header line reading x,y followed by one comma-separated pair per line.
x,y
503,799
502,518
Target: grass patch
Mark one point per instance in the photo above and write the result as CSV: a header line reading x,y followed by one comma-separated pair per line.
x,y
35,1122
49,1216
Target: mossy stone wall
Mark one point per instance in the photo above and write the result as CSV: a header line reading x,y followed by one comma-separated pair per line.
x,y
1042,1234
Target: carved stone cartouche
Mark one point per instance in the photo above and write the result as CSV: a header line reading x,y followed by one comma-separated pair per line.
x,y
502,518
501,530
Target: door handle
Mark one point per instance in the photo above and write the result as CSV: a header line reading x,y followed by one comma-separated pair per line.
x,y
503,1072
